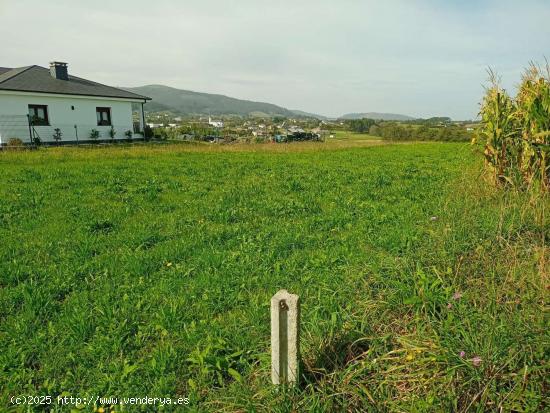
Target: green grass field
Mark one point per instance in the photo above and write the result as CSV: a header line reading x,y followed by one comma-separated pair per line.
x,y
349,137
134,271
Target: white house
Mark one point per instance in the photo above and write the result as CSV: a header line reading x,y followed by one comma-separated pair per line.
x,y
215,123
36,102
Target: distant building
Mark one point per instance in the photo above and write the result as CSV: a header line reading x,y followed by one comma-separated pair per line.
x,y
215,123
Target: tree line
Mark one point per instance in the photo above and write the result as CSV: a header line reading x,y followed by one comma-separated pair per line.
x,y
434,129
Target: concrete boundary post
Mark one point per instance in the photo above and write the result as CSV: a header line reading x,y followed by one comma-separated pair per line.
x,y
285,338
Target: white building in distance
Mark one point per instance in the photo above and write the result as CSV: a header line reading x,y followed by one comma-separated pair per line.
x,y
215,123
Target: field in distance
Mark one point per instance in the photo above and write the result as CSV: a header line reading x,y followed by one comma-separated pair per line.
x,y
148,271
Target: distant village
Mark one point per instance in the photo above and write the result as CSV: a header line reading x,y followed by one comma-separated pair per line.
x,y
231,128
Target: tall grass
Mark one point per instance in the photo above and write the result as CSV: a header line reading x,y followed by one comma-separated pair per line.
x,y
516,130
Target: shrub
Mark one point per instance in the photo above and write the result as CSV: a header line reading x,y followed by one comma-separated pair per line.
x,y
162,134
147,132
57,135
128,135
112,133
36,140
229,139
94,134
15,144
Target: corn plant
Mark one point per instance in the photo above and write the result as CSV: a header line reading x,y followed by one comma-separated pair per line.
x,y
499,131
533,116
517,130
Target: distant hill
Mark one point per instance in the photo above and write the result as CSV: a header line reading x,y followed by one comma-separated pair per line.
x,y
186,102
308,115
377,116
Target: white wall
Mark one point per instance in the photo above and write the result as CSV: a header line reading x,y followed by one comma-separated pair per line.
x,y
62,116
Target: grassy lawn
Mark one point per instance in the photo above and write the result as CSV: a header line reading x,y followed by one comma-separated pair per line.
x,y
148,271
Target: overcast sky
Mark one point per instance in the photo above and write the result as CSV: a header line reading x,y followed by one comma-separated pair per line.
x,y
420,58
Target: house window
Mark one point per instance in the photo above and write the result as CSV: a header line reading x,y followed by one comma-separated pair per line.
x,y
103,116
39,115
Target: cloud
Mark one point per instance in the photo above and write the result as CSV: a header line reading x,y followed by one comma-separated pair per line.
x,y
422,58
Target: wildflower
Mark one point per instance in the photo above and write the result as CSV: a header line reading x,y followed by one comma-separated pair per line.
x,y
476,361
168,264
449,306
457,295
462,354
433,219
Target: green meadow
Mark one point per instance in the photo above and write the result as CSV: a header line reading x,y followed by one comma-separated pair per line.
x,y
148,270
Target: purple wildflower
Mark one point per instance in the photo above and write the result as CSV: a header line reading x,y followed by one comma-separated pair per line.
x,y
462,354
457,295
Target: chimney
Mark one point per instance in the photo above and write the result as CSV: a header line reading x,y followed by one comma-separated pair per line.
x,y
58,70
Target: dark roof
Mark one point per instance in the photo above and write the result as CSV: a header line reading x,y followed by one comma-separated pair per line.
x,y
38,79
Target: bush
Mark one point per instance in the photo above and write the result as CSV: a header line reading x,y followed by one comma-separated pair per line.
x,y
161,134
57,135
229,139
15,144
36,140
147,132
94,134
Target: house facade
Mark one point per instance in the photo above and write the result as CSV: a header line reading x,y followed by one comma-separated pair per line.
x,y
51,105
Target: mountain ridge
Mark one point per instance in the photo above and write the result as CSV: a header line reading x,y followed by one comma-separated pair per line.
x,y
188,102
183,101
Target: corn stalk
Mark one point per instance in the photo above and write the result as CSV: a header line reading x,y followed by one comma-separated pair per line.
x,y
517,131
533,115
499,131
